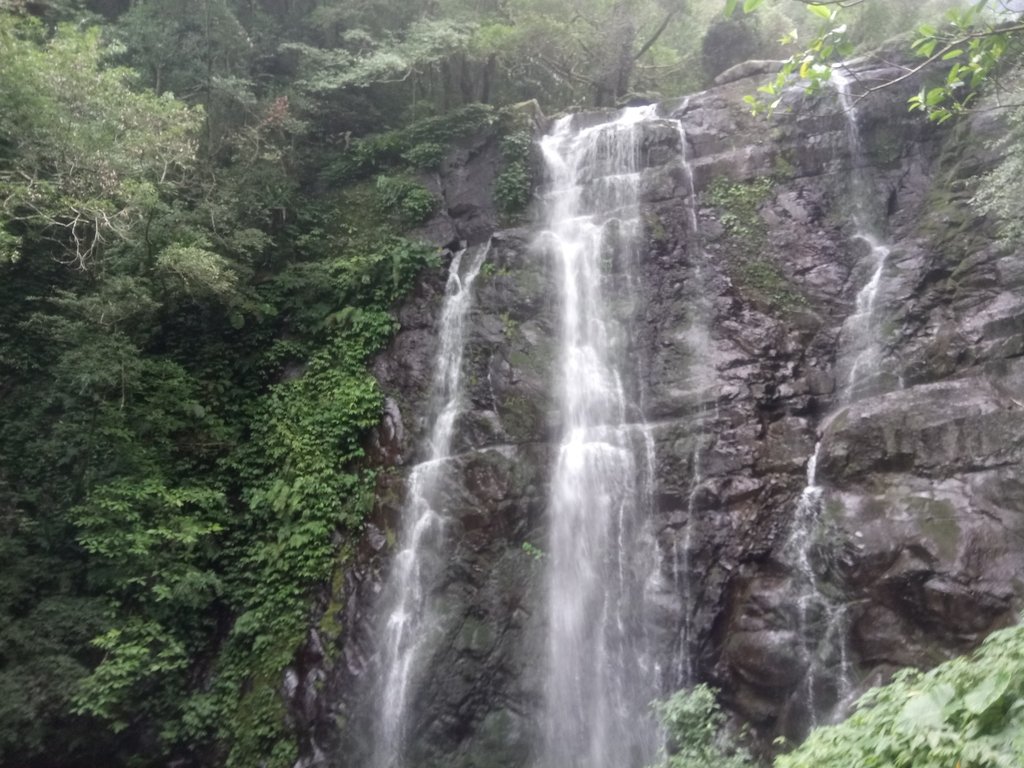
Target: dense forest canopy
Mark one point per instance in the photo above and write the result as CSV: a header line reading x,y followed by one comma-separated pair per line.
x,y
206,210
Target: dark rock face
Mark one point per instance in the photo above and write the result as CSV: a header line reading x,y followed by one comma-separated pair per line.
x,y
922,519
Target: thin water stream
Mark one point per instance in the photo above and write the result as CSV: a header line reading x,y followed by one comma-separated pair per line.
x,y
860,353
703,378
823,620
410,621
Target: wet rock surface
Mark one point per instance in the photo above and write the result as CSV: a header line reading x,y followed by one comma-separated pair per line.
x,y
922,516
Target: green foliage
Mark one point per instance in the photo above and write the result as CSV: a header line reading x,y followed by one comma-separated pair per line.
x,y
184,332
756,275
408,201
976,39
180,46
419,145
695,732
299,491
738,205
976,44
967,712
749,6
812,65
999,192
421,45
594,51
763,281
513,187
84,154
426,155
137,657
184,343
533,551
197,270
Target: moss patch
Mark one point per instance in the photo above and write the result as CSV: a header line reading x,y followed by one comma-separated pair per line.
x,y
520,417
758,277
937,520
656,232
763,282
738,203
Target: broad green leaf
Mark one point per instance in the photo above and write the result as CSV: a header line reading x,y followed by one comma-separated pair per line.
x,y
935,96
730,7
749,6
943,694
953,54
921,711
986,693
821,11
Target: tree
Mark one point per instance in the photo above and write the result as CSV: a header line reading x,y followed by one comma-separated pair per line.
x,y
96,509
596,45
198,51
163,485
84,155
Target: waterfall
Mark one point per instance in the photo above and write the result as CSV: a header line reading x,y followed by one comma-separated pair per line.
x,y
823,622
601,677
410,623
698,340
813,607
861,353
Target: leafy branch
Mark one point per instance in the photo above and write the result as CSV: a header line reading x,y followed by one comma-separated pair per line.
x,y
971,41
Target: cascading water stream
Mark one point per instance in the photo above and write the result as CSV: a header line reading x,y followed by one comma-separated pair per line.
x,y
410,623
860,342
811,603
600,675
823,621
698,342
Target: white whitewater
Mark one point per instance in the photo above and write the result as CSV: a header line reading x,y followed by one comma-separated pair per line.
x,y
861,353
823,622
600,676
811,604
416,567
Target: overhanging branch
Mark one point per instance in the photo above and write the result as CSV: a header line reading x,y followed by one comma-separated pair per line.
x,y
657,33
937,55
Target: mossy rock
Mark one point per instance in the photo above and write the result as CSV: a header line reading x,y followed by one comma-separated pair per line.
x,y
762,282
738,205
937,519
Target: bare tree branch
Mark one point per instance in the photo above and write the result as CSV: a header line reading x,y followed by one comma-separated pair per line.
x,y
567,73
657,33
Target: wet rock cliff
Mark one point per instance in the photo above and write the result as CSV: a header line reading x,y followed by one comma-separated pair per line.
x,y
914,548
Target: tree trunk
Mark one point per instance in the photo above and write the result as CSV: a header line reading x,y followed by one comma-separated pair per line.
x,y
485,81
617,53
